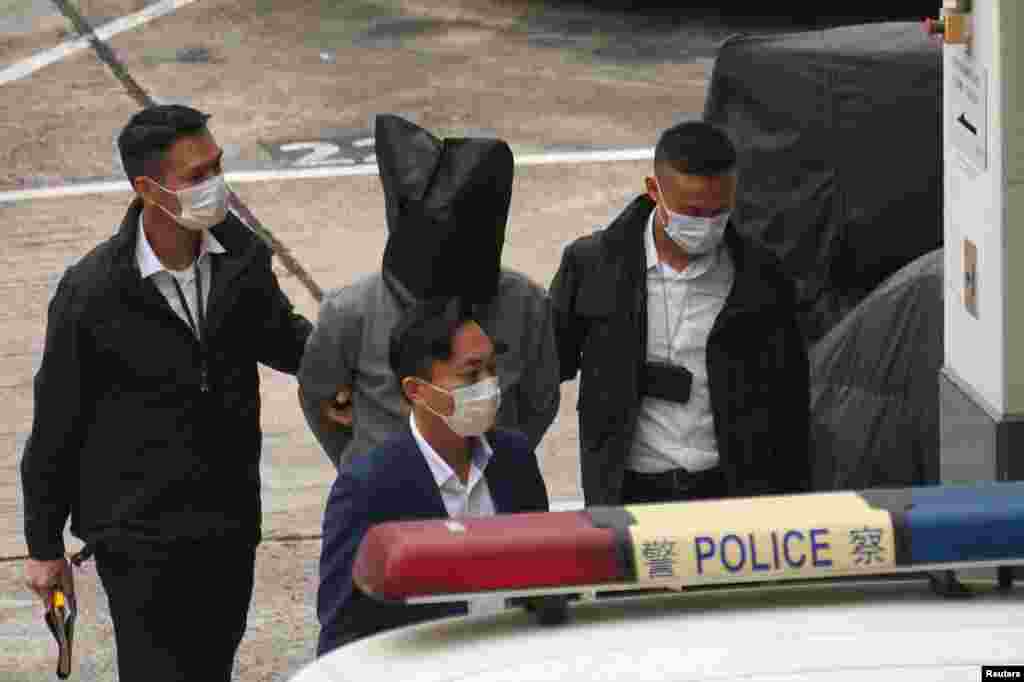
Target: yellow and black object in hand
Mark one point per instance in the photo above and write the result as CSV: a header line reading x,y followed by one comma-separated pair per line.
x,y
60,618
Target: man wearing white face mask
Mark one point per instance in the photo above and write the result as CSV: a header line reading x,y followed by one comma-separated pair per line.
x,y
146,429
449,461
694,377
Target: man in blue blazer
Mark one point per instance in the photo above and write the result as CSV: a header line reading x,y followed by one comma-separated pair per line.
x,y
449,461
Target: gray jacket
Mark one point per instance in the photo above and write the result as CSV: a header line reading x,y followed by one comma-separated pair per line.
x,y
349,347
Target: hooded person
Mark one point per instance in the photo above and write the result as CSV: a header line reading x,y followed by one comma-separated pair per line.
x,y
447,203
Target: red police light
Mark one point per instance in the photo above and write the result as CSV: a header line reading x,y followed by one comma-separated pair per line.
x,y
404,560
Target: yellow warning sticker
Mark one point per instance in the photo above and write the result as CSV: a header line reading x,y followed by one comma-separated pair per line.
x,y
763,538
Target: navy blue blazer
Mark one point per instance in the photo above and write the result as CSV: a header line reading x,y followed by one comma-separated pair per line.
x,y
394,483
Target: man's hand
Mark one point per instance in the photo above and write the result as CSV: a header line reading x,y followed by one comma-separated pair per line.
x,y
43,577
338,412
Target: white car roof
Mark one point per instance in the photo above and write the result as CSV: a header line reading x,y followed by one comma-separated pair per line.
x,y
825,632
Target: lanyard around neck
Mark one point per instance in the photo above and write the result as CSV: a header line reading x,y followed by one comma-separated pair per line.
x,y
197,329
669,333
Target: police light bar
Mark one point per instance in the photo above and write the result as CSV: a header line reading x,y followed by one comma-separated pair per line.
x,y
740,540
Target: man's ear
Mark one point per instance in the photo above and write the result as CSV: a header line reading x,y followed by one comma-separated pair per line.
x,y
411,388
143,187
651,188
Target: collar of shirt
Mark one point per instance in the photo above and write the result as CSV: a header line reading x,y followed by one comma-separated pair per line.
x,y
147,259
442,472
697,266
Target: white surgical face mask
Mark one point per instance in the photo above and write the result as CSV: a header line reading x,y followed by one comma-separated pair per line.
x,y
476,407
696,235
203,205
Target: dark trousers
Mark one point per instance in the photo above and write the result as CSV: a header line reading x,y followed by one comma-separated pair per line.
x,y
179,610
672,486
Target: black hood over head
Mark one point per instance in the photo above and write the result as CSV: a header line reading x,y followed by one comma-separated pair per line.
x,y
447,207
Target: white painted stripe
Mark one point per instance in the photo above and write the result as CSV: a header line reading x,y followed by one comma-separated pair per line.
x,y
66,190
264,175
602,155
108,186
44,58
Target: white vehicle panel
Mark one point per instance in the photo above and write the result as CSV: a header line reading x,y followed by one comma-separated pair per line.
x,y
822,632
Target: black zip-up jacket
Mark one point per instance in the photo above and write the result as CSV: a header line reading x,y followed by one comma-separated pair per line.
x,y
124,437
758,369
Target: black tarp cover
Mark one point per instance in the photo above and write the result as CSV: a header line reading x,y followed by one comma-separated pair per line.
x,y
875,386
840,144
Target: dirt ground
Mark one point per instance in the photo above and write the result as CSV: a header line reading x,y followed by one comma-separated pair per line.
x,y
280,638
474,64
302,70
334,250
335,227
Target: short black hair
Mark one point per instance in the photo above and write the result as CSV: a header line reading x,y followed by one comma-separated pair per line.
x,y
151,132
694,148
424,335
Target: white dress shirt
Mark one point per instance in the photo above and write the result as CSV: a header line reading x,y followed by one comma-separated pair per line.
x,y
669,435
163,277
472,499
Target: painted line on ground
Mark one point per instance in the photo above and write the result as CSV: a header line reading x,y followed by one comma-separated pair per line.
x,y
28,66
264,175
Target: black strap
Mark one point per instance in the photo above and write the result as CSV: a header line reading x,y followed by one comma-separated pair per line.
x,y
200,329
197,330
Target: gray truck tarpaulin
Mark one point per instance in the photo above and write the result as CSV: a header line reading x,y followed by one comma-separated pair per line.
x,y
840,151
875,386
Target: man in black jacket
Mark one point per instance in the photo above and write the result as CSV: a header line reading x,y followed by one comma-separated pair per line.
x,y
694,376
146,428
